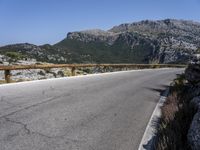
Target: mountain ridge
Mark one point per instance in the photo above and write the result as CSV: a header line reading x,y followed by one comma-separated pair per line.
x,y
147,41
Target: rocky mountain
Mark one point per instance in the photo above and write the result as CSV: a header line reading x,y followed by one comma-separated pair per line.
x,y
161,41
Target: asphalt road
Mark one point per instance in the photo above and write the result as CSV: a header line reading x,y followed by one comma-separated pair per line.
x,y
98,112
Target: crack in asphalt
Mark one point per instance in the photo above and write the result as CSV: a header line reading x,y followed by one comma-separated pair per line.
x,y
3,100
115,124
19,123
29,132
34,105
25,127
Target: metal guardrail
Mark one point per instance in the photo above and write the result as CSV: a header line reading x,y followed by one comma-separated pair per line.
x,y
7,68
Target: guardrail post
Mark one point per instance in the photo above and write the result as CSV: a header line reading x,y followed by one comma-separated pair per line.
x,y
7,76
104,68
73,71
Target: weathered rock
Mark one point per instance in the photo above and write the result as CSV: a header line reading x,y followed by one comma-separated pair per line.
x,y
31,74
171,40
93,36
192,73
195,103
194,132
194,91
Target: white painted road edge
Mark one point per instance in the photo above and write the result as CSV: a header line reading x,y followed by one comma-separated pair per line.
x,y
79,76
147,139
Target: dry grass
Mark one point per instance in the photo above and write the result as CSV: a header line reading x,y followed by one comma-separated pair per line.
x,y
176,119
2,81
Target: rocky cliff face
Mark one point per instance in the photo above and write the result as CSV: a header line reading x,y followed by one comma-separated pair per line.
x,y
162,41
171,40
94,36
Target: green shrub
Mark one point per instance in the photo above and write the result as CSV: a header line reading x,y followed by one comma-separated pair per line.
x,y
198,50
15,55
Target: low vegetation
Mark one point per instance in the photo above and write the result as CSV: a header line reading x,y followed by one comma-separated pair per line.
x,y
15,55
198,50
176,118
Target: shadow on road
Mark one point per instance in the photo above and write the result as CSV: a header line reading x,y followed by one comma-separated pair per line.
x,y
155,122
160,90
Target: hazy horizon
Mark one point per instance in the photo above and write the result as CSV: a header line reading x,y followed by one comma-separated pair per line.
x,y
47,22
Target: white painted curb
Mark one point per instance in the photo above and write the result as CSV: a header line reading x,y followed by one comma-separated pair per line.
x,y
147,139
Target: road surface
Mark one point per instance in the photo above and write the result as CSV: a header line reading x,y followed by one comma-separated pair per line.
x,y
98,112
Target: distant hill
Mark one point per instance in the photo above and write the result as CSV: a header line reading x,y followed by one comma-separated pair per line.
x,y
161,41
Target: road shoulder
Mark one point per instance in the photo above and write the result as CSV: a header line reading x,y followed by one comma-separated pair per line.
x,y
149,134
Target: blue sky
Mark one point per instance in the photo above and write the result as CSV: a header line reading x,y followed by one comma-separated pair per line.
x,y
48,21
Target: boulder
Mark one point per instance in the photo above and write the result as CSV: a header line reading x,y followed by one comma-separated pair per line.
x,y
194,132
192,73
195,103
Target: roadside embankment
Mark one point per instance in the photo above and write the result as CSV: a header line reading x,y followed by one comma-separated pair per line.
x,y
179,125
192,74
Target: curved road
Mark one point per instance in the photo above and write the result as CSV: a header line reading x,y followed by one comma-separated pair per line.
x,y
96,112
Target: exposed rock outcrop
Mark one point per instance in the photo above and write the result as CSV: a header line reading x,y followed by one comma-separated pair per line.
x,y
173,40
161,41
192,74
194,131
